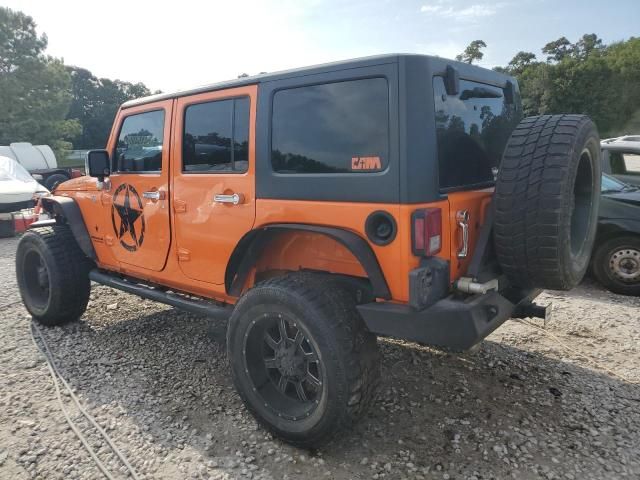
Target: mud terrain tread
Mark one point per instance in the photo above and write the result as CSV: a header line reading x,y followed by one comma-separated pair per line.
x,y
530,201
359,342
355,344
69,269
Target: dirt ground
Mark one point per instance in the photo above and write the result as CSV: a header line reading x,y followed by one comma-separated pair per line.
x,y
555,403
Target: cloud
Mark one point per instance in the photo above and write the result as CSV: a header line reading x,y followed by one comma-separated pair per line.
x,y
431,8
478,10
437,6
441,8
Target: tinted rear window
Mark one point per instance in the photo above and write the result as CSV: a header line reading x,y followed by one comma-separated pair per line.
x,y
472,130
331,128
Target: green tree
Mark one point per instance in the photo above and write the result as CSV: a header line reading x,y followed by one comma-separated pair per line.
x,y
584,86
95,103
473,52
586,77
34,88
623,59
19,42
520,62
587,45
558,50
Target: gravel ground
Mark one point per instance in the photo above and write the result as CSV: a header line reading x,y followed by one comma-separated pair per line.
x,y
522,405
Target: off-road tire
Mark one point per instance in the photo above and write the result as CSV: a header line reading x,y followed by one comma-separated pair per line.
x,y
348,351
66,268
602,269
53,180
546,201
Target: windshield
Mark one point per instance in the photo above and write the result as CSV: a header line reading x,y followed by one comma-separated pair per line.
x,y
610,184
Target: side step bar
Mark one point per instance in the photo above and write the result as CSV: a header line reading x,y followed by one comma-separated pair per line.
x,y
199,307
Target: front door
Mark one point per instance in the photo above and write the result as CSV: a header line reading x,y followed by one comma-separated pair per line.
x,y
213,179
137,200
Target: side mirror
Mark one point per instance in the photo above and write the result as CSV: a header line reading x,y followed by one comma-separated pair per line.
x,y
98,164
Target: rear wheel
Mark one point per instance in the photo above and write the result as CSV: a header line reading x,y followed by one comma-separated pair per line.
x,y
301,358
547,198
53,275
616,265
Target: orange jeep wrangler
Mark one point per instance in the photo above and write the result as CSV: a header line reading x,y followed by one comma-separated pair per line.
x,y
318,208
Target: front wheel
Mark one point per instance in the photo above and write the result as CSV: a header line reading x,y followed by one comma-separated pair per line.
x,y
53,275
616,265
301,358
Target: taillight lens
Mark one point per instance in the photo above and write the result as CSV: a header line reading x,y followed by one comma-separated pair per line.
x,y
427,231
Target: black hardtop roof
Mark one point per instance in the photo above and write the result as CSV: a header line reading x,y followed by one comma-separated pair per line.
x,y
438,64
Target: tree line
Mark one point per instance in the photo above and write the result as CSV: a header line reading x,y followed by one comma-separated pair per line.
x,y
587,77
44,101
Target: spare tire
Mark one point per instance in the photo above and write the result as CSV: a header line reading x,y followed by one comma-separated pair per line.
x,y
546,201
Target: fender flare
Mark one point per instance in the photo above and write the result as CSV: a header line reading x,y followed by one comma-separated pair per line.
x,y
68,209
251,246
607,226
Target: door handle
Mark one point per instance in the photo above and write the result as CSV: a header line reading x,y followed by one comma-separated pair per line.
x,y
234,199
462,217
154,195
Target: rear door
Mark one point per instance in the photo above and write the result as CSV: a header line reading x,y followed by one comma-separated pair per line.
x,y
137,202
472,127
213,179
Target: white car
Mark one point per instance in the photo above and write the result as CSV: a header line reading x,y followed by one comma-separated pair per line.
x,y
17,187
621,158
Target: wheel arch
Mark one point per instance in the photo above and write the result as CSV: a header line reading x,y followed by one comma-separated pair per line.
x,y
65,209
616,228
249,250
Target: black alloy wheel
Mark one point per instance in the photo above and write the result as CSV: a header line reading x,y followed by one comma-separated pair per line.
x,y
301,357
283,363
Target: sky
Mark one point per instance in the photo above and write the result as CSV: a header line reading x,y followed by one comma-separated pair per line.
x,y
174,45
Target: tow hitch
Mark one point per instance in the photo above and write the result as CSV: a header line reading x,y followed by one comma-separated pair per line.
x,y
533,310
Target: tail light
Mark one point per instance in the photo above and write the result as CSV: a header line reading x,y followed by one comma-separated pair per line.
x,y
427,231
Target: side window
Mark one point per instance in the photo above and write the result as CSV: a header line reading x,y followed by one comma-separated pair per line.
x,y
331,128
216,136
616,161
139,147
632,163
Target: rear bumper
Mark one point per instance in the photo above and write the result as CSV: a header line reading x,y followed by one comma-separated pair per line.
x,y
450,323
